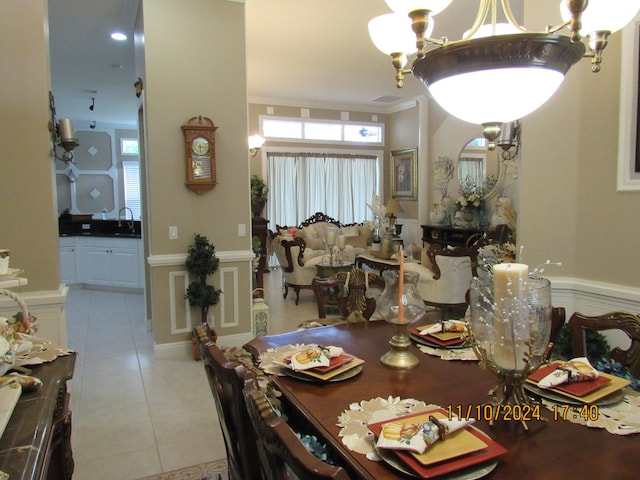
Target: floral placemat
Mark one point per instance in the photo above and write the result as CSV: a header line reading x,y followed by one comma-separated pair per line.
x,y
354,421
622,418
449,353
39,351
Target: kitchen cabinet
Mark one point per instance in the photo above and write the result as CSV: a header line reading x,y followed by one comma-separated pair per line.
x,y
103,261
68,260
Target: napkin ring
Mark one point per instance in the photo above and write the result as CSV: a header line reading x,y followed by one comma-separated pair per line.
x,y
442,429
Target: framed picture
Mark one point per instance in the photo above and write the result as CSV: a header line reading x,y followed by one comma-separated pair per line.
x,y
404,174
628,138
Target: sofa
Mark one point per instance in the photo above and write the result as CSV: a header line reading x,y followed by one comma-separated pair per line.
x,y
300,248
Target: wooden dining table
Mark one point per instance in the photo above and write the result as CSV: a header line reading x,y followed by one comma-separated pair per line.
x,y
551,449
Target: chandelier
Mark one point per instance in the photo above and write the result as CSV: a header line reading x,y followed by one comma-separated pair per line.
x,y
524,68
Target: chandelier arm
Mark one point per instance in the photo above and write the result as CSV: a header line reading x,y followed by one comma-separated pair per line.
x,y
557,28
576,7
483,10
420,20
506,8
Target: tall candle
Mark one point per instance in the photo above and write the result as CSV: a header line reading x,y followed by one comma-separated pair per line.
x,y
331,237
342,241
65,128
509,293
401,287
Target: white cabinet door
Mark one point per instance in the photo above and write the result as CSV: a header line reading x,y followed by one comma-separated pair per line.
x,y
125,270
68,260
97,265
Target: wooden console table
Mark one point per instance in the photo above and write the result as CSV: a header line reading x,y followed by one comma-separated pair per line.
x,y
447,235
37,441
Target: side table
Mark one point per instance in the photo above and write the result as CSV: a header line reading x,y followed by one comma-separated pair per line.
x,y
376,263
330,294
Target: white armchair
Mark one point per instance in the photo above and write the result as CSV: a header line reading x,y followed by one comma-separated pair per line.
x,y
445,276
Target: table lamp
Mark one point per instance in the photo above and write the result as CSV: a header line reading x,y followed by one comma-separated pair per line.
x,y
393,207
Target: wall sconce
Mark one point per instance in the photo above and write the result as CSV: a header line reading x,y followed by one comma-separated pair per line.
x,y
509,140
255,144
62,134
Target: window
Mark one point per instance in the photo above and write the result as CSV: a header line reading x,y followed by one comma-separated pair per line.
x,y
132,199
288,129
337,184
129,146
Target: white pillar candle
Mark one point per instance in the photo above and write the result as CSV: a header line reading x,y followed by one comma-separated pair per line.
x,y
342,241
511,319
65,128
331,237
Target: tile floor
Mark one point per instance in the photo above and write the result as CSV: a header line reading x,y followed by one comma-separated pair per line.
x,y
135,415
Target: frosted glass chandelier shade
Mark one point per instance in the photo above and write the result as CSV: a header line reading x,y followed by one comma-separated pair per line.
x,y
391,33
496,96
604,15
403,7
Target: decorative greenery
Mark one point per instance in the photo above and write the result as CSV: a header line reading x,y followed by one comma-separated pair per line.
x,y
202,262
259,189
256,245
597,345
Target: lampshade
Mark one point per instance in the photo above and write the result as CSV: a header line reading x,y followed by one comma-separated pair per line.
x,y
391,33
497,79
405,6
393,206
256,141
604,15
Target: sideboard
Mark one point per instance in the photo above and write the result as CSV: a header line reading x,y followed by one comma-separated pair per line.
x,y
447,235
36,443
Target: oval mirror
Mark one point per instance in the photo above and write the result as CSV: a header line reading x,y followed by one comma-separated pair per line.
x,y
479,166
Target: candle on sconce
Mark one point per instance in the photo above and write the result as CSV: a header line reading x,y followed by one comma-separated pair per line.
x,y
401,287
65,129
342,241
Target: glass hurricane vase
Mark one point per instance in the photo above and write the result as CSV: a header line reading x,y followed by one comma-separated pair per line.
x,y
510,336
400,307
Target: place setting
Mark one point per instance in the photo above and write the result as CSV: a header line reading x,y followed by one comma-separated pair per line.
x,y
447,339
313,363
435,443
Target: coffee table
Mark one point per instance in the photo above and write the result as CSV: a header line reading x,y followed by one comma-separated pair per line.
x,y
377,263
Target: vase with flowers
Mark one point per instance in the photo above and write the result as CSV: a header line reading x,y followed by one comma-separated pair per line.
x,y
469,200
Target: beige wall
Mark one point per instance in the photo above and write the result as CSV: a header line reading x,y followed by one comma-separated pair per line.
x,y
27,198
570,210
194,64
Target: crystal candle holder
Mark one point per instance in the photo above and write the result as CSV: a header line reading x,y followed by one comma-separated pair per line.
x,y
510,336
412,309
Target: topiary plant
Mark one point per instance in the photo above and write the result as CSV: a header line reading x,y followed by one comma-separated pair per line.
x,y
201,262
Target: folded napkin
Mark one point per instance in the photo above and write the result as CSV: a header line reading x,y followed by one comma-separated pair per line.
x,y
445,326
417,437
575,370
314,356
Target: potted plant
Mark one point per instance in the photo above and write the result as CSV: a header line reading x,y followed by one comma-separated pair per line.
x,y
259,192
201,262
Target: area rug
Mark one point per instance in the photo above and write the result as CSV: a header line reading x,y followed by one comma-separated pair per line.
x,y
216,470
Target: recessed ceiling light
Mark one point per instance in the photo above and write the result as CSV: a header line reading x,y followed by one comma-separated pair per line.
x,y
118,36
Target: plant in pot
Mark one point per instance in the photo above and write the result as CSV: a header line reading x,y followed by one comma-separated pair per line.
x,y
259,192
201,262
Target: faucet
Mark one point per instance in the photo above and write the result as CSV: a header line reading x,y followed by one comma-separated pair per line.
x,y
129,223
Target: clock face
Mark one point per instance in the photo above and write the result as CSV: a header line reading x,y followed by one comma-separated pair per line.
x,y
200,146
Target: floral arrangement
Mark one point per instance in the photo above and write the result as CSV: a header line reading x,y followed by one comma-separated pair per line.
x,y
470,194
494,253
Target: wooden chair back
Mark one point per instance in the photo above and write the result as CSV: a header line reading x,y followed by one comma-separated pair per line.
x,y
349,289
626,322
227,382
280,449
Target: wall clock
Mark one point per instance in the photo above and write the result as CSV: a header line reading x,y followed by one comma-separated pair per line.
x,y
200,154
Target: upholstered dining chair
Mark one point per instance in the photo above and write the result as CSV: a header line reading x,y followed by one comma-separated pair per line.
x,y
445,276
227,381
626,322
280,450
349,289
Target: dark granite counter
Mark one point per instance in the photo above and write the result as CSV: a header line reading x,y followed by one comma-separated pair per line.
x,y
71,226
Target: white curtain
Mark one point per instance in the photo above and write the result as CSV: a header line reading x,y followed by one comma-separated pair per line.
x,y
301,184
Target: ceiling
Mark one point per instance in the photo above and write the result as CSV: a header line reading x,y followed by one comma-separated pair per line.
x,y
299,52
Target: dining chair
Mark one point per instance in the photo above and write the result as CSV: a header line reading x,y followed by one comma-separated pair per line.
x,y
281,452
349,289
227,382
626,322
